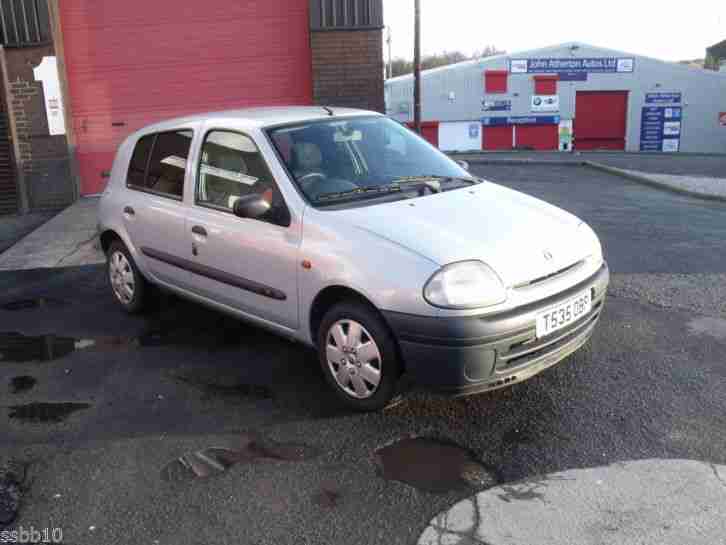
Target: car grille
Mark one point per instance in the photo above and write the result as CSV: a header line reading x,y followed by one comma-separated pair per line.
x,y
523,352
570,268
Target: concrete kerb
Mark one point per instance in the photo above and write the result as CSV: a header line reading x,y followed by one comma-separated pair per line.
x,y
632,176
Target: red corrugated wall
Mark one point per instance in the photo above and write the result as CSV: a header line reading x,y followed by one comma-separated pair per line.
x,y
130,63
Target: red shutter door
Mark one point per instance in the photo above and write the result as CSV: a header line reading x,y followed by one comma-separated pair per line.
x,y
545,85
538,137
135,62
601,120
430,131
498,138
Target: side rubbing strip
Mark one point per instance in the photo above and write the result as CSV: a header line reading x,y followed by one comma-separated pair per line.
x,y
216,274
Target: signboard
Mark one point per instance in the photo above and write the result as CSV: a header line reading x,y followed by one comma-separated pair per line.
x,y
521,120
663,98
47,72
660,128
545,103
565,133
497,105
722,119
602,65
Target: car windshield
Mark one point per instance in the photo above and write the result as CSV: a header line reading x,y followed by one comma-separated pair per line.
x,y
356,159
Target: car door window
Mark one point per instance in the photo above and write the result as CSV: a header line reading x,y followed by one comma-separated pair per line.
x,y
231,167
159,163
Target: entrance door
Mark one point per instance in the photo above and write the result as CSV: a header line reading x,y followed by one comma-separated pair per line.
x,y
601,120
8,189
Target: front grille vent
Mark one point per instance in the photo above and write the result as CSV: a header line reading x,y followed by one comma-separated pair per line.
x,y
550,276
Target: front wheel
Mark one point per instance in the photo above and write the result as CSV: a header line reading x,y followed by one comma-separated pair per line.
x,y
358,356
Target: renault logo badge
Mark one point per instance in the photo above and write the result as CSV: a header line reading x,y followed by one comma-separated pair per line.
x,y
548,256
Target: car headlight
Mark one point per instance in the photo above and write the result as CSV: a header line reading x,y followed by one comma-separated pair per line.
x,y
465,285
592,242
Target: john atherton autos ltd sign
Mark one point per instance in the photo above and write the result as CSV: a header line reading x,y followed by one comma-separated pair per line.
x,y
603,65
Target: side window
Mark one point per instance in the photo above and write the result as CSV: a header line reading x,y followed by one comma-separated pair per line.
x,y
159,163
232,167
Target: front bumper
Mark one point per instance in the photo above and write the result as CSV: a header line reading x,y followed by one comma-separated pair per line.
x,y
473,354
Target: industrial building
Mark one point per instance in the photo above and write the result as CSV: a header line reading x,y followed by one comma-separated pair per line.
x,y
78,76
567,97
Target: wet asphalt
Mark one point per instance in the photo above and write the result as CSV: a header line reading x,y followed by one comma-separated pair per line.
x,y
106,402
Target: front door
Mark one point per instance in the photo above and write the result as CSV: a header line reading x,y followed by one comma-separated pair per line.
x,y
248,264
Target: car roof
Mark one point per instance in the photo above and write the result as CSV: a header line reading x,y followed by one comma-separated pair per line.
x,y
261,117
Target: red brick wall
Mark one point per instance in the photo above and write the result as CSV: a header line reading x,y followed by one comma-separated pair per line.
x,y
348,68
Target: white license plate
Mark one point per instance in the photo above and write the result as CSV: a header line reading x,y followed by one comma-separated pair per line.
x,y
562,315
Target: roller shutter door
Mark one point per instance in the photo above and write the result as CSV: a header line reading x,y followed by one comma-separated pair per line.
x,y
601,120
538,137
136,62
498,138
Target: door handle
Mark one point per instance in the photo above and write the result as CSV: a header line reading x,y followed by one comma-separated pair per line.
x,y
129,211
198,230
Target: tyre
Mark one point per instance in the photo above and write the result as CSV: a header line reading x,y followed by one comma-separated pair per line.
x,y
130,289
358,355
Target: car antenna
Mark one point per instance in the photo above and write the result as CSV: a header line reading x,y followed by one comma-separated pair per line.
x,y
330,112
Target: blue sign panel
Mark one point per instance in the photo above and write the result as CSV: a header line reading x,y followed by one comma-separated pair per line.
x,y
474,130
602,65
497,105
663,98
573,76
521,120
660,128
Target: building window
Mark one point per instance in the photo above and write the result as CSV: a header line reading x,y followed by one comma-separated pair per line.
x,y
346,14
545,85
24,23
495,81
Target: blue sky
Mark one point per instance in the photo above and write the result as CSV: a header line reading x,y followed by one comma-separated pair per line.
x,y
663,29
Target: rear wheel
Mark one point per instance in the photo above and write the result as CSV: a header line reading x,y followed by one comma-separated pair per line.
x,y
358,355
129,287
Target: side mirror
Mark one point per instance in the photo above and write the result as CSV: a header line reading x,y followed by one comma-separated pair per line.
x,y
251,206
463,164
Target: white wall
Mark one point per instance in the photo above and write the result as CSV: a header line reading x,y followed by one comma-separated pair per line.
x,y
460,136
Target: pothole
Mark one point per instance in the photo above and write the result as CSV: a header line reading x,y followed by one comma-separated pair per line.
x,y
214,461
19,385
46,412
327,498
32,304
433,465
218,384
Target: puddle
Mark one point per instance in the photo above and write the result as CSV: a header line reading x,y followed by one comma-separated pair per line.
x,y
210,462
46,412
433,466
18,385
31,304
15,347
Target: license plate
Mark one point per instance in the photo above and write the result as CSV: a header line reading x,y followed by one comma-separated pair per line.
x,y
562,315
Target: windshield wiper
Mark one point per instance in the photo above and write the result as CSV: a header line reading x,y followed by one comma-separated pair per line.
x,y
375,190
422,184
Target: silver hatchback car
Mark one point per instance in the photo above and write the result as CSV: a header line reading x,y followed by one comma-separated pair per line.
x,y
345,231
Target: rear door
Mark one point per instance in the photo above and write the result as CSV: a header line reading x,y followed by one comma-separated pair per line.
x,y
153,209
248,264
